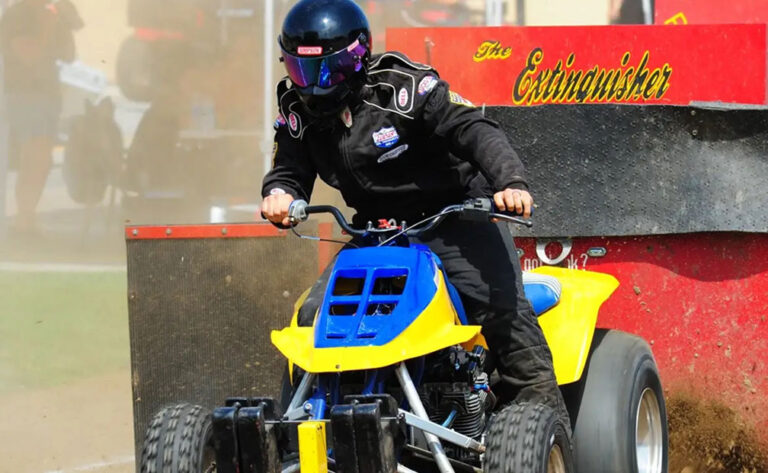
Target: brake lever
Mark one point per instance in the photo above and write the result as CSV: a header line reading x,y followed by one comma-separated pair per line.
x,y
512,219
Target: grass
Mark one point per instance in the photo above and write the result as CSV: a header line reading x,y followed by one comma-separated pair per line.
x,y
59,327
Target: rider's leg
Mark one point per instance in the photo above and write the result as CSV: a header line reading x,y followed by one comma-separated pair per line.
x,y
481,261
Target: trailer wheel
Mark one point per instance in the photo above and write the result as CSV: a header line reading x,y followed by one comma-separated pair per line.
x,y
178,440
620,418
527,438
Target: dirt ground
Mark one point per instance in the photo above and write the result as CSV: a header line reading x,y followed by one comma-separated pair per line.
x,y
707,437
83,426
87,426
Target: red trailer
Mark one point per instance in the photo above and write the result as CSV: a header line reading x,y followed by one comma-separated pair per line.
x,y
668,199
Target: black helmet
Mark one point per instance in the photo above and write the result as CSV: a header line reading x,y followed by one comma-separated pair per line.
x,y
325,47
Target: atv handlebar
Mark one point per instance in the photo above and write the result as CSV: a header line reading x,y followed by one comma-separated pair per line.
x,y
299,211
477,210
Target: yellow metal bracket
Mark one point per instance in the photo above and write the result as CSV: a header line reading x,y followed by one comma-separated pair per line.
x,y
312,448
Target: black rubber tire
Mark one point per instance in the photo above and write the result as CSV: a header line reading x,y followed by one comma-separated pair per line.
x,y
521,437
178,440
619,370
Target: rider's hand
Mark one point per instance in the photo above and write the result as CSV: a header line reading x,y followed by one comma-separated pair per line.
x,y
275,208
514,200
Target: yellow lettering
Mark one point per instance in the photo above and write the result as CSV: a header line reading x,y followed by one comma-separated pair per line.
x,y
491,50
564,83
677,19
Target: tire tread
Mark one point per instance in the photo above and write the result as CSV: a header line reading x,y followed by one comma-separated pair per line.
x,y
174,440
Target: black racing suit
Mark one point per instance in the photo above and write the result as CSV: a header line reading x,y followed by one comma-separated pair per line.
x,y
404,149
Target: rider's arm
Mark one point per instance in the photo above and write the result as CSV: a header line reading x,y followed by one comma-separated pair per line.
x,y
473,138
292,171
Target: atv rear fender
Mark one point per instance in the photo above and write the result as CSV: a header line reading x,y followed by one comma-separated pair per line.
x,y
570,325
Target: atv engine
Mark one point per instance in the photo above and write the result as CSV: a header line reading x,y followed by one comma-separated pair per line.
x,y
455,390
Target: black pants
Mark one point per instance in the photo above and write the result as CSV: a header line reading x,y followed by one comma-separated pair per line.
x,y
481,261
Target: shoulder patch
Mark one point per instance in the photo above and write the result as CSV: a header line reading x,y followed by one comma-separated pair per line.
x,y
459,100
279,121
427,84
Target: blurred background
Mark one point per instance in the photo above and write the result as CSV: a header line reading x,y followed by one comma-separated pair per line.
x,y
148,112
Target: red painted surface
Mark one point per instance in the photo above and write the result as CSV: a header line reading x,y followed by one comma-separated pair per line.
x,y
234,230
681,12
724,63
701,300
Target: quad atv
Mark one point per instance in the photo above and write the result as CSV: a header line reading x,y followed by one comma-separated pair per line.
x,y
391,378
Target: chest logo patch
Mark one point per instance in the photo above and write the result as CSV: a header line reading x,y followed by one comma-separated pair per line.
x,y
386,137
393,153
402,98
428,83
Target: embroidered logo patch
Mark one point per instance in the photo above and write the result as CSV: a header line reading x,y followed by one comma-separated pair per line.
x,y
346,117
386,137
393,153
293,121
428,83
279,121
402,98
459,100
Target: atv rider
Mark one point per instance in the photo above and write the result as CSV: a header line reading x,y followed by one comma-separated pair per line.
x,y
398,143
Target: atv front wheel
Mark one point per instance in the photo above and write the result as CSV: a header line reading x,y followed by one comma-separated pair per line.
x,y
620,417
178,440
527,438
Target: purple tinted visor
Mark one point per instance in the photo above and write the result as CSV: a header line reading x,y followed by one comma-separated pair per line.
x,y
324,71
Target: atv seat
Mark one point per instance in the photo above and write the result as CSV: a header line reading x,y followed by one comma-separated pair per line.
x,y
542,290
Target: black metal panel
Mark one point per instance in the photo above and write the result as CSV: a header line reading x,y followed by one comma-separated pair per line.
x,y
343,430
375,445
225,439
640,170
200,316
257,441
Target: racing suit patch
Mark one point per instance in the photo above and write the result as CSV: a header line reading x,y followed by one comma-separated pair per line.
x,y
402,98
279,121
459,100
386,137
427,84
393,153
293,121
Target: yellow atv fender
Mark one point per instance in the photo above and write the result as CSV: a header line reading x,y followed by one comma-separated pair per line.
x,y
570,325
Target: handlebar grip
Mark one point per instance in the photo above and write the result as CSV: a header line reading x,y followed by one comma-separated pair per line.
x,y
483,209
297,211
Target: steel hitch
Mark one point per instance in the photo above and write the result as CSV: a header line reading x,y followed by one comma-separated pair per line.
x,y
365,431
245,436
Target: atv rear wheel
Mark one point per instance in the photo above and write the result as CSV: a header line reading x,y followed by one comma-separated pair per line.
x,y
527,438
178,440
620,416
